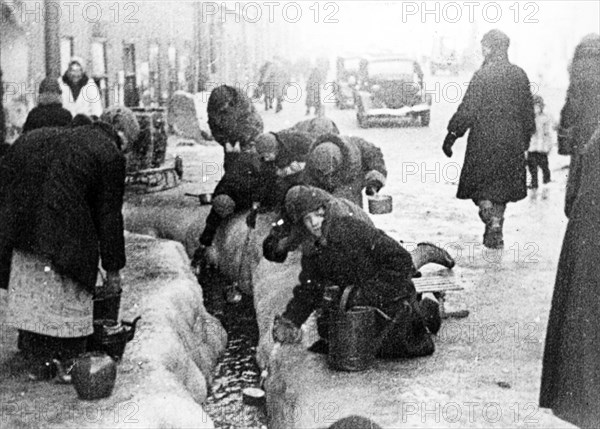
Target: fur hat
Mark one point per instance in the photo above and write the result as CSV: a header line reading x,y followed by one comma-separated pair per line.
x,y
326,158
496,40
50,86
266,143
122,119
355,422
301,200
223,205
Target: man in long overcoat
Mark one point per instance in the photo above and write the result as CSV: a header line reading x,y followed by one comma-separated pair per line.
x,y
498,110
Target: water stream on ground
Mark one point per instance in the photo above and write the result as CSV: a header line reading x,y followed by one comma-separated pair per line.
x,y
236,370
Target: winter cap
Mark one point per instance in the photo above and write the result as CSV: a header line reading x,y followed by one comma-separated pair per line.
x,y
326,158
122,119
266,143
355,422
50,86
496,40
77,60
301,200
223,205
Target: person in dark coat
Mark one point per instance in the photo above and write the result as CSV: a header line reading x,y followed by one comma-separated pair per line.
x,y
284,155
498,110
61,197
49,111
344,166
234,124
313,91
346,251
571,365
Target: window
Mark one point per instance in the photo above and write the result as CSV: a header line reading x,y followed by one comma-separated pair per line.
x,y
66,52
99,68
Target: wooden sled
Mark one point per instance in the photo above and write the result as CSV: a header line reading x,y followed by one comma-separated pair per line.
x,y
438,286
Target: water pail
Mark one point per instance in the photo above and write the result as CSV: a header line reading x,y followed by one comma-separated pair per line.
x,y
351,335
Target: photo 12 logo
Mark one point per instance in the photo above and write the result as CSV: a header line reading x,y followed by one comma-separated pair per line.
x,y
270,11
89,11
469,11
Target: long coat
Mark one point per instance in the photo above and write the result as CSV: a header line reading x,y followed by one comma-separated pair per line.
x,y
362,162
61,195
571,365
498,110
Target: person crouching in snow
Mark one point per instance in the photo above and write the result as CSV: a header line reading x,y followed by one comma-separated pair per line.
x,y
234,124
284,154
344,166
539,147
347,251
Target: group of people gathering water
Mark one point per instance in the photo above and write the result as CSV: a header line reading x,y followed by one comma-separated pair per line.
x,y
62,185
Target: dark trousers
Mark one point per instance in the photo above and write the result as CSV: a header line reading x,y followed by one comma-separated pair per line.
x,y
535,160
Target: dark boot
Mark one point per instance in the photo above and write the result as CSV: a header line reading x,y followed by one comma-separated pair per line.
x,y
430,310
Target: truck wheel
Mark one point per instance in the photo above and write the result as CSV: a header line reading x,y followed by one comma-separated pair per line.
x,y
425,117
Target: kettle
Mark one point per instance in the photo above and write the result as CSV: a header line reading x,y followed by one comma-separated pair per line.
x,y
93,375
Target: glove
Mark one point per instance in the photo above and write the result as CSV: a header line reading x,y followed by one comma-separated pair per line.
x,y
373,187
448,142
284,331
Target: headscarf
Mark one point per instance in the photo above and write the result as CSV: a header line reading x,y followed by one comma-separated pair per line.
x,y
326,158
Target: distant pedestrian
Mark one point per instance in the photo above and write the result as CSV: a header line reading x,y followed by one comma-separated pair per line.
x,y
313,92
80,94
49,111
498,110
539,148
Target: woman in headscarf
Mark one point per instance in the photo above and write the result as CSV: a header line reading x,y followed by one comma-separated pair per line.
x,y
342,250
571,365
80,94
581,112
61,196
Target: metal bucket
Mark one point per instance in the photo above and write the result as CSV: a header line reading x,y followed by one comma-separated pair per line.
x,y
380,204
351,335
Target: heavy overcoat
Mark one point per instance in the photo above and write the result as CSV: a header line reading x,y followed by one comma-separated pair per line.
x,y
571,365
362,162
47,115
61,195
498,110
